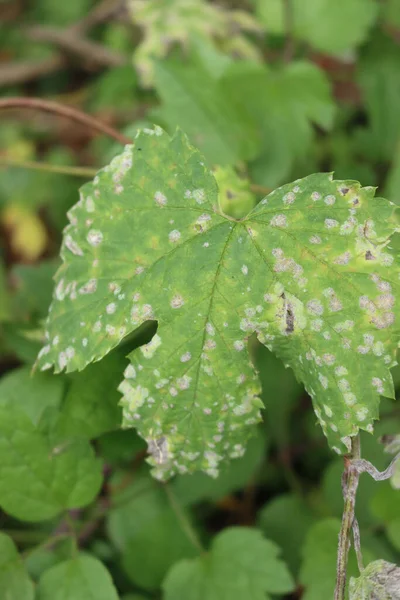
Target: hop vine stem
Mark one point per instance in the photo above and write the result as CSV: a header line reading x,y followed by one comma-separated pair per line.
x,y
64,111
351,477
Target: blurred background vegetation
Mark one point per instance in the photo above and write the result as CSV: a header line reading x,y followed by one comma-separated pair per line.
x,y
271,90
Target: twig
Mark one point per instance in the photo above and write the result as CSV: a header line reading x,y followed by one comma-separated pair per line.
x,y
88,51
16,72
64,111
85,172
364,466
288,52
350,481
182,518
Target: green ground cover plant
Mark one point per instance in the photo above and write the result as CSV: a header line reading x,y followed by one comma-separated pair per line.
x,y
199,342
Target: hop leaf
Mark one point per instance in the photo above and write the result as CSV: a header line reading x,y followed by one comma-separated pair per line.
x,y
242,565
380,580
310,270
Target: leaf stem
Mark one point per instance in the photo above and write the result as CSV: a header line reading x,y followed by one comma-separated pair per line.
x,y
350,481
86,172
183,519
288,22
64,111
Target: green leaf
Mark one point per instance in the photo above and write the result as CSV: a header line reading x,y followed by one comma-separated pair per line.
x,y
15,583
33,288
318,570
91,405
81,578
283,103
286,520
379,79
310,270
393,532
31,394
38,476
241,565
147,533
193,100
380,580
332,27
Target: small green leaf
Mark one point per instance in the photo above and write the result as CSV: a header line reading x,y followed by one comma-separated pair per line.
x,y
289,99
286,520
147,533
318,570
242,565
91,405
15,583
32,394
193,100
380,580
310,270
81,578
38,477
332,27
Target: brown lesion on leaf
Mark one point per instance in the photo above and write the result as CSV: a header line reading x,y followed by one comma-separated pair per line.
x,y
369,255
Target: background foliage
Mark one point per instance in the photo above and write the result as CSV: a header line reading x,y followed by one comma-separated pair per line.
x,y
266,93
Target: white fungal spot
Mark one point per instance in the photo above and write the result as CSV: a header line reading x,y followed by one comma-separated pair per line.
x,y
85,342
177,301
210,328
174,236
149,349
316,196
362,413
329,200
90,207
245,269
323,380
94,237
160,199
238,345
315,307
110,308
89,288
130,372
331,223
328,410
315,239
73,246
186,357
199,196
278,221
289,198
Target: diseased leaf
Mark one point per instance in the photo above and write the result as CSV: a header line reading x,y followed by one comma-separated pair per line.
x,y
38,477
242,565
310,270
172,22
15,583
380,580
81,578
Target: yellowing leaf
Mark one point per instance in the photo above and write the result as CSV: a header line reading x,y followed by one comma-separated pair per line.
x,y
28,234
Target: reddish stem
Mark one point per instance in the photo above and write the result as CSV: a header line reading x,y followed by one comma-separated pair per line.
x,y
64,111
